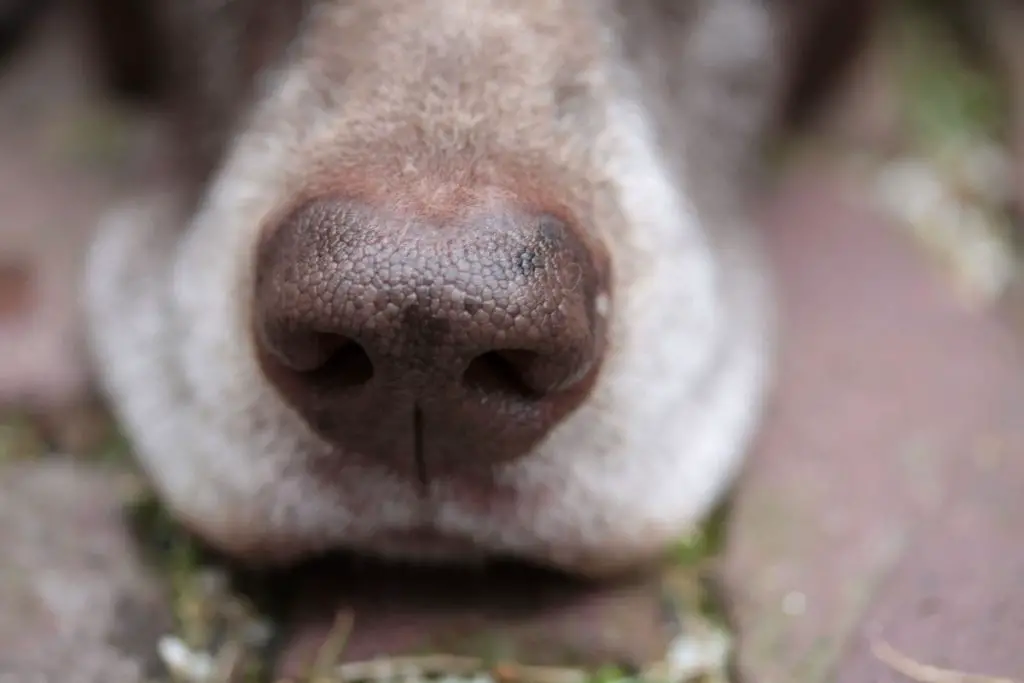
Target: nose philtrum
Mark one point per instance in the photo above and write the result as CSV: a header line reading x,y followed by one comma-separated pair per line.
x,y
486,325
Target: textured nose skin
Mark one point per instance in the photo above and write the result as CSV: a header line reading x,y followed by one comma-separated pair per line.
x,y
428,345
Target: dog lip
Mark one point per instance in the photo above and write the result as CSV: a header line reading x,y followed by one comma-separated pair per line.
x,y
426,540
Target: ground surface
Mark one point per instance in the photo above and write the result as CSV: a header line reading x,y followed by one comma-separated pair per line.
x,y
875,534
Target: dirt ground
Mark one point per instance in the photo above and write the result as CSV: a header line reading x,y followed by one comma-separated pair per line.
x,y
875,536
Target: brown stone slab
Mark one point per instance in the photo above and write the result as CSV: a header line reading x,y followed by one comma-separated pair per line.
x,y
956,601
887,384
77,604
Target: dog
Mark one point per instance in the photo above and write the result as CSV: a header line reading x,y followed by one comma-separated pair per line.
x,y
444,281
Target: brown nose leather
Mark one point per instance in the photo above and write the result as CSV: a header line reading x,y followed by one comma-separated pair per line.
x,y
428,345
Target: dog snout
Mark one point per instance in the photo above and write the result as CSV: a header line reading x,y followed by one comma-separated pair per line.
x,y
432,342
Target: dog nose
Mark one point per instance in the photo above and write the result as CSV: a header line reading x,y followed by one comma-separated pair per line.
x,y
430,345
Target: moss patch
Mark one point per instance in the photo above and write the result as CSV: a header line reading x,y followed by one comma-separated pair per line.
x,y
19,438
948,98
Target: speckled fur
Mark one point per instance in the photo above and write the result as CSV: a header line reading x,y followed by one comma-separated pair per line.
x,y
644,116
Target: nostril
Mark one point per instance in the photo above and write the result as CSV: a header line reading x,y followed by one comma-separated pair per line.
x,y
345,363
503,372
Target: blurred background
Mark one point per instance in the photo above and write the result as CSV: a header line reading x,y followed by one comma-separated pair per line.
x,y
877,535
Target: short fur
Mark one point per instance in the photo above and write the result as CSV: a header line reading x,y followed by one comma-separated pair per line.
x,y
644,115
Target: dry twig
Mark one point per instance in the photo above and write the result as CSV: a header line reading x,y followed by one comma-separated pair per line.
x,y
924,673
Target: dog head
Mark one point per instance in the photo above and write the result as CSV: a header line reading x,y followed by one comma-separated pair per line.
x,y
473,278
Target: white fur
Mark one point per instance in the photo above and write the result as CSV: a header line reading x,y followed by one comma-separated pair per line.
x,y
662,434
